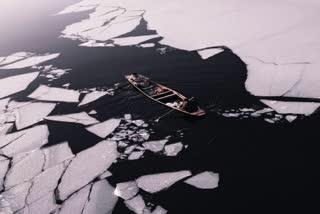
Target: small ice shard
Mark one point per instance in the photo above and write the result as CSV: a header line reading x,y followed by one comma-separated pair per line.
x,y
101,199
128,117
88,98
45,182
55,94
207,53
4,166
66,85
82,118
93,112
57,154
291,118
204,180
138,122
133,40
104,175
159,210
269,120
156,182
264,110
147,45
292,107
25,168
126,190
173,149
5,128
46,204
86,166
76,202
136,204
14,84
155,146
135,155
30,61
105,128
24,141
16,196
32,113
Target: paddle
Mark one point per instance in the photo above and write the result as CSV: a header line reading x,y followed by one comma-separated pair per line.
x,y
157,120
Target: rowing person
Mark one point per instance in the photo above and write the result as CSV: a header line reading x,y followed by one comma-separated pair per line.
x,y
190,105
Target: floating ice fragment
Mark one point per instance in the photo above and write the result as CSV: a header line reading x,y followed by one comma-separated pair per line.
x,y
291,118
155,146
14,57
46,204
32,113
173,149
4,166
136,204
92,97
138,122
101,199
82,118
24,141
105,128
128,117
147,45
269,120
159,210
157,182
30,61
76,202
57,154
86,166
135,155
16,196
133,40
25,169
292,107
14,84
55,94
126,190
93,112
204,180
207,53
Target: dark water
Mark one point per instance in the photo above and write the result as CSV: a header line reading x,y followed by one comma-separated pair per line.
x,y
263,167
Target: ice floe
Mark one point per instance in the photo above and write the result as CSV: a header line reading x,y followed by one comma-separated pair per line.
x,y
209,52
55,94
101,199
86,166
292,107
92,97
24,60
136,204
126,190
13,84
136,155
155,146
105,128
173,149
156,182
291,118
82,118
57,154
16,196
32,113
204,180
46,204
159,210
133,40
24,141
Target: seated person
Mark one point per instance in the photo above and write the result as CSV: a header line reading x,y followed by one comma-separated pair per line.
x,y
190,105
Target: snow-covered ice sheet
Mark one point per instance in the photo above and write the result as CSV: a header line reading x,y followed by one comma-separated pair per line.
x,y
46,93
204,180
82,118
105,128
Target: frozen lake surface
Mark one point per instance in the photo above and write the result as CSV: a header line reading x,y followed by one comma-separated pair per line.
x,y
75,137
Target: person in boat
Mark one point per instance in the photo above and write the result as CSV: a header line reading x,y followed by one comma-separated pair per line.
x,y
140,81
190,105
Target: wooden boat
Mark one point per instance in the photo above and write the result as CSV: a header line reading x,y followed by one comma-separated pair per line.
x,y
163,95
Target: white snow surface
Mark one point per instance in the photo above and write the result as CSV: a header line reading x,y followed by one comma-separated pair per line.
x,y
47,93
82,118
105,128
204,180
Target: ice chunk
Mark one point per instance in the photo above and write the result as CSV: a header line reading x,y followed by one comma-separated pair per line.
x,y
57,154
291,118
133,40
55,94
204,180
45,182
207,53
82,118
155,146
92,97
16,196
128,117
86,166
126,190
156,182
292,107
4,166
24,168
32,113
147,45
159,210
135,155
138,122
30,61
93,112
105,128
5,128
173,149
24,141
14,57
14,84
101,199
76,202
136,204
46,204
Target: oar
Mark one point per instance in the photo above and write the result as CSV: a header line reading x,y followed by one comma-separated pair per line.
x,y
157,120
